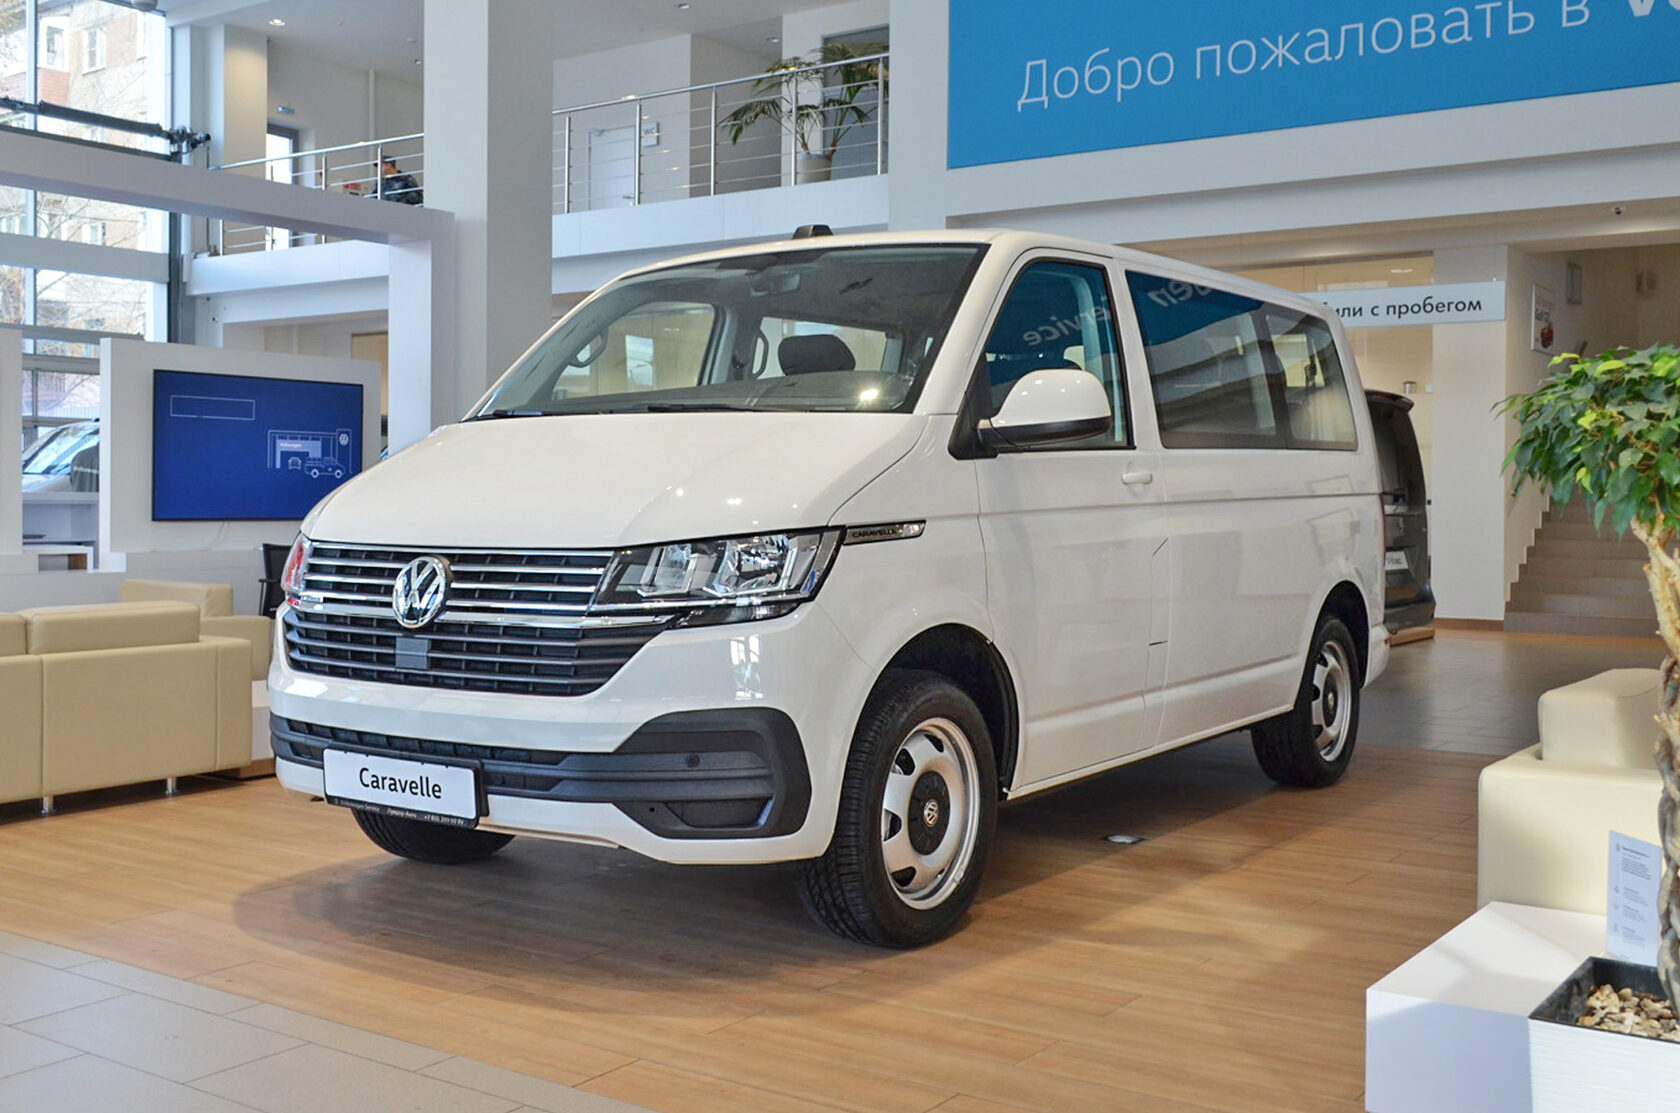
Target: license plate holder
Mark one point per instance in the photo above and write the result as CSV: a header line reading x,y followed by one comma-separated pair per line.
x,y
437,790
1396,561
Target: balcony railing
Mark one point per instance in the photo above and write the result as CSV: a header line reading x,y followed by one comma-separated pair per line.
x,y
803,124
354,168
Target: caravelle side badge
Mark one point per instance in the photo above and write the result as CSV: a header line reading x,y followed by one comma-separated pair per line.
x,y
420,592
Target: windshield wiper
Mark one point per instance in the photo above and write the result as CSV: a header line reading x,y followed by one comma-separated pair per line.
x,y
493,415
686,407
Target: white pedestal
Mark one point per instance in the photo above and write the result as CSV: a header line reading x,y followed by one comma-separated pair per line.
x,y
1447,1032
262,743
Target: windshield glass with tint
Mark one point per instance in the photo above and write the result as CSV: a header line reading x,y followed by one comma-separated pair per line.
x,y
54,454
840,329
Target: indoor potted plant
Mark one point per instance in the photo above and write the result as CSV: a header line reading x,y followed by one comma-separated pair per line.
x,y
815,106
1610,426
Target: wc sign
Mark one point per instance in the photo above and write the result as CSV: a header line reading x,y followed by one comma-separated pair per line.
x,y
1061,77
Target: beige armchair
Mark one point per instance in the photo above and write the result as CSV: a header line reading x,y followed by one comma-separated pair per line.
x,y
215,607
1545,814
20,714
125,692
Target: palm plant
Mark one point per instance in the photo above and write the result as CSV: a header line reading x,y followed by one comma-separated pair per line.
x,y
816,106
1610,426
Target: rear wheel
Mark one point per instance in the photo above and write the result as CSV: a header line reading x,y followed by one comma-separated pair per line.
x,y
917,812
1310,745
428,842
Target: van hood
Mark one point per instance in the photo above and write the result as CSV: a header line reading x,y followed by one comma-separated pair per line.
x,y
602,481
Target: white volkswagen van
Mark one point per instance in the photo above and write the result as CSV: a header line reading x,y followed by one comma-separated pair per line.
x,y
816,551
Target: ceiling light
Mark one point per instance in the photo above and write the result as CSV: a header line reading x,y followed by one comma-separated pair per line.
x,y
684,7
277,22
774,39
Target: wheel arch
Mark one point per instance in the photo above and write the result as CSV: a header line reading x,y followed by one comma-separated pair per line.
x,y
970,660
1346,602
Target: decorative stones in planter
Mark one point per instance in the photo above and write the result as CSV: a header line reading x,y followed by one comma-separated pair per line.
x,y
1574,1066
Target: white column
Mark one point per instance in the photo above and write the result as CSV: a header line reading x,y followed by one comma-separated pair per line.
x,y
236,95
11,439
422,309
1467,511
489,99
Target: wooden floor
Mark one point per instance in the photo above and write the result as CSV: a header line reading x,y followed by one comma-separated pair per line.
x,y
1219,966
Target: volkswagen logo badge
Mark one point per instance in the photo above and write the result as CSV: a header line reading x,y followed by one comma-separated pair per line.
x,y
421,589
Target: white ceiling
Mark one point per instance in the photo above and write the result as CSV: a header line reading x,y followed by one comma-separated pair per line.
x,y
388,35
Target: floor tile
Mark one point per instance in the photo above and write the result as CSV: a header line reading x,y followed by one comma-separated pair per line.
x,y
88,1084
367,1045
46,954
29,990
195,996
314,1079
536,1093
160,1037
20,1051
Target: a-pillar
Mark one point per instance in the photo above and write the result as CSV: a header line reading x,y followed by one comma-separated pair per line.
x,y
489,102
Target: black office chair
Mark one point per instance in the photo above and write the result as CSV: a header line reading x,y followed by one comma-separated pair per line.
x,y
274,566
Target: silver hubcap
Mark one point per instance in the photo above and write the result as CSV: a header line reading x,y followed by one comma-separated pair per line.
x,y
1332,701
930,813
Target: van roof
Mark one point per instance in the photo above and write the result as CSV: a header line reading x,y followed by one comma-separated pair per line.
x,y
1010,243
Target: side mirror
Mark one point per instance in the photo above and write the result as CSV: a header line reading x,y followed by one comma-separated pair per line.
x,y
1046,407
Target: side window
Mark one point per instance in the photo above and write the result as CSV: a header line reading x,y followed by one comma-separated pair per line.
x,y
1314,390
1207,365
1059,315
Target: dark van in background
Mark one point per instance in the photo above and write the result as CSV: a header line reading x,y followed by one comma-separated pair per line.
x,y
1408,600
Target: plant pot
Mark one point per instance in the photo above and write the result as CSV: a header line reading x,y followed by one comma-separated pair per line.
x,y
1573,1068
812,168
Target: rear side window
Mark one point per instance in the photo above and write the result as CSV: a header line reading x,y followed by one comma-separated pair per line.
x,y
1231,371
1316,395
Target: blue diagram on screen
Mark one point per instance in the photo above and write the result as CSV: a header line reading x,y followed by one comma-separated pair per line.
x,y
237,447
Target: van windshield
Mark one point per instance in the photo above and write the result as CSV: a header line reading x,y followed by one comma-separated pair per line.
x,y
839,329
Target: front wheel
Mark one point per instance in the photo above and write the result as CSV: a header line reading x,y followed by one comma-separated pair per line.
x,y
918,809
1310,745
428,842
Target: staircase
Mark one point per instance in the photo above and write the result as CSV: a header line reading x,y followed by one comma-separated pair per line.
x,y
1580,581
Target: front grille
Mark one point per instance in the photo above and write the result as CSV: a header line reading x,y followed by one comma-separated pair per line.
x,y
510,623
483,582
468,656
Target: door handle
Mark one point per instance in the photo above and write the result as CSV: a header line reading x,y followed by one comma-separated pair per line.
x,y
1137,478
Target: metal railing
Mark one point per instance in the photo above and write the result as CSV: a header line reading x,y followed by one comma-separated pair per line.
x,y
807,124
353,168
804,124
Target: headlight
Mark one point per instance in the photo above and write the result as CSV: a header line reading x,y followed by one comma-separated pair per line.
x,y
291,580
732,579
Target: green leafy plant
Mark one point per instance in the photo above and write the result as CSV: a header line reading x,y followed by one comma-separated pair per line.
x,y
817,107
1609,427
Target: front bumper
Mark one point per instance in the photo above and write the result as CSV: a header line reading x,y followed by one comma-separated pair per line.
x,y
711,745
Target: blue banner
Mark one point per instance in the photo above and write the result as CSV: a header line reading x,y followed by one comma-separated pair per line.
x,y
1060,77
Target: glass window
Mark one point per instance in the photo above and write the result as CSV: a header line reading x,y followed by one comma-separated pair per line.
x,y
12,300
93,49
1314,391
93,302
54,34
1058,315
818,328
1206,365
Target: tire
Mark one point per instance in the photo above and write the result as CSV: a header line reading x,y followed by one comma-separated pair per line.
x,y
1310,745
429,842
920,789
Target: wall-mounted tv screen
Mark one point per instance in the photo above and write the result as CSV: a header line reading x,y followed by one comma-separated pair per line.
x,y
242,448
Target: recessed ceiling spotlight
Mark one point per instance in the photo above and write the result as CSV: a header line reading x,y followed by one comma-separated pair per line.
x,y
277,22
417,62
774,39
684,7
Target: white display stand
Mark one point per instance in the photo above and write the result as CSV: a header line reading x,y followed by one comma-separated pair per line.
x,y
1447,1032
262,743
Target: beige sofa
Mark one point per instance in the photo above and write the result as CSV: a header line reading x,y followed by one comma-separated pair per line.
x,y
216,617
1546,813
98,696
